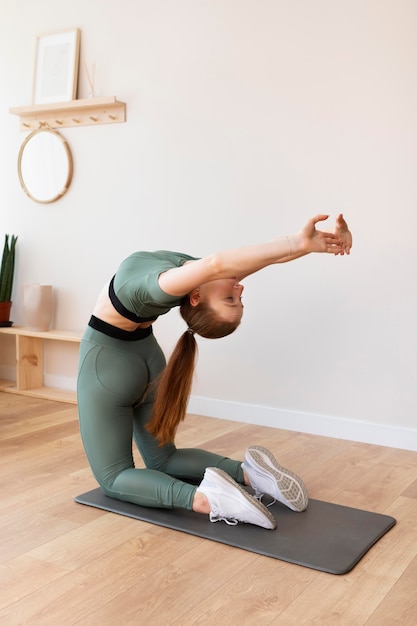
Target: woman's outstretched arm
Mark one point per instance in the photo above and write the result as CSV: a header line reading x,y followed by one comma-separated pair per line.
x,y
241,262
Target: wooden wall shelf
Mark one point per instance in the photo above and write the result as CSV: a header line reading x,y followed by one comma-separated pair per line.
x,y
29,363
74,113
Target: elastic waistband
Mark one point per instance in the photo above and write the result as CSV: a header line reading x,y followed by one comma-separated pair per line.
x,y
119,333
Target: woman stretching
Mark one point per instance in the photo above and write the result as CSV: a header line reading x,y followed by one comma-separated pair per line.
x,y
126,390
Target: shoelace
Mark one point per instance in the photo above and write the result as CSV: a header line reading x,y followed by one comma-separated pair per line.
x,y
217,518
259,495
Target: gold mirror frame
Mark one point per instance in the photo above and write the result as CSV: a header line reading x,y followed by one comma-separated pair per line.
x,y
60,188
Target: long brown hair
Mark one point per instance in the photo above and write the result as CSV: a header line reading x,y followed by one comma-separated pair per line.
x,y
174,384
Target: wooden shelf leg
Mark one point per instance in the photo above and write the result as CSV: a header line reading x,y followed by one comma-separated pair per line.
x,y
29,356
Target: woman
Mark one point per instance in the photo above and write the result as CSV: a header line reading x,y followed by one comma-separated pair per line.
x,y
120,359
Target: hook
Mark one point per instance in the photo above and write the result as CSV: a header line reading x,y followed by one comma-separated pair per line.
x,y
95,119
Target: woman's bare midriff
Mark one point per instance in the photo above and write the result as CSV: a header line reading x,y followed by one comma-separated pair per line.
x,y
105,311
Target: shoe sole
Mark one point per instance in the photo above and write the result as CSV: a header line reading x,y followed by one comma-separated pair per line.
x,y
292,489
225,478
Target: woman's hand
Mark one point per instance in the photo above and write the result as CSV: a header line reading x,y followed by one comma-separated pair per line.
x,y
342,231
312,240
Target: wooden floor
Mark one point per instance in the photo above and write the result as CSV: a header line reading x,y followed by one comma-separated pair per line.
x,y
65,564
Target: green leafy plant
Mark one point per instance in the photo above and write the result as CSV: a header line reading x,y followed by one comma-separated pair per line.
x,y
7,268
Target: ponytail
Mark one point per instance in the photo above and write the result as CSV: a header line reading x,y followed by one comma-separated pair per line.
x,y
174,387
175,382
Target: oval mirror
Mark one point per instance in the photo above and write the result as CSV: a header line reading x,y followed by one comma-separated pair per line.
x,y
45,165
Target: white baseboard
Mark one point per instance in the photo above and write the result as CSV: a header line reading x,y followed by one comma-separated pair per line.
x,y
314,424
311,423
67,383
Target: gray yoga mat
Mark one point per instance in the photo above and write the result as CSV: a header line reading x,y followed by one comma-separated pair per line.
x,y
326,537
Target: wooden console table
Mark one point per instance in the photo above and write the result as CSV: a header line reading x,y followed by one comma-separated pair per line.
x,y
29,363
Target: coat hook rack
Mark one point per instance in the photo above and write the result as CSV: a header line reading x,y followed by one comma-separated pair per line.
x,y
74,113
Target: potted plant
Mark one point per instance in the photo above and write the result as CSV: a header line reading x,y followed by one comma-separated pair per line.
x,y
6,279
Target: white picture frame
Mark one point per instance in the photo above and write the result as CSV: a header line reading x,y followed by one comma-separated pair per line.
x,y
56,66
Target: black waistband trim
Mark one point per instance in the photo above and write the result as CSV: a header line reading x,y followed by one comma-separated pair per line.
x,y
119,333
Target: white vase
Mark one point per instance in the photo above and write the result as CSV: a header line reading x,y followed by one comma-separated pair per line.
x,y
38,306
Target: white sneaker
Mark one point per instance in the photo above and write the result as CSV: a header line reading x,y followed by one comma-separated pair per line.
x,y
230,503
267,476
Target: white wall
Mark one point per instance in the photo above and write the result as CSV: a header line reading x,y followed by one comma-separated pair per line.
x,y
244,118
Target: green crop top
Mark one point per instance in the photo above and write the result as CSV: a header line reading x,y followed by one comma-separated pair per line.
x,y
134,290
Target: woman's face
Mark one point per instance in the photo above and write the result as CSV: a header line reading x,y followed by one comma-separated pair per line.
x,y
224,296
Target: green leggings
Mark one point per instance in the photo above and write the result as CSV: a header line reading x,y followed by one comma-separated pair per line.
x,y
113,375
